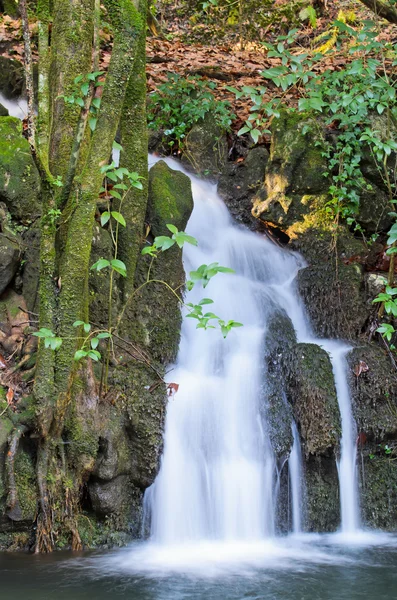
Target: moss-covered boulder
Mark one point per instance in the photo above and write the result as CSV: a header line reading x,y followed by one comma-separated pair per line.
x,y
170,198
294,173
335,299
240,181
373,384
10,253
322,494
312,394
12,77
19,179
154,316
378,490
205,148
279,340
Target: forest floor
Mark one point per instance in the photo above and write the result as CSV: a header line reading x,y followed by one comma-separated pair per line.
x,y
184,42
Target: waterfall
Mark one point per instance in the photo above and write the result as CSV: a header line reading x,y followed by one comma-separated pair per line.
x,y
218,470
295,476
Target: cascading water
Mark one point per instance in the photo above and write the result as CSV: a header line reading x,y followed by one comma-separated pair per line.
x,y
296,478
217,475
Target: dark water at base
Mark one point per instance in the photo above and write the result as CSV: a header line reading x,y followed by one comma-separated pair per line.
x,y
316,569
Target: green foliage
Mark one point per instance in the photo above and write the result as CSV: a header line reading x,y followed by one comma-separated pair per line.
x,y
180,103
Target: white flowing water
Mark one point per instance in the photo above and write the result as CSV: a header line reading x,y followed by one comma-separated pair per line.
x,y
218,472
296,479
16,107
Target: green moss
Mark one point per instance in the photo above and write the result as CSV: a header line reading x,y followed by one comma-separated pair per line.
x,y
170,198
379,492
19,179
25,477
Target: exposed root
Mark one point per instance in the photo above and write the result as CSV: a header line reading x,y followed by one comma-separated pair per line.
x,y
12,499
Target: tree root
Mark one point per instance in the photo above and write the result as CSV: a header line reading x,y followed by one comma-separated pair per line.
x,y
12,499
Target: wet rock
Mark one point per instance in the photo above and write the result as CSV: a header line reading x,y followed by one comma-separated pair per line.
x,y
312,394
378,490
205,148
374,392
10,252
31,267
280,339
12,78
240,181
322,496
335,299
3,111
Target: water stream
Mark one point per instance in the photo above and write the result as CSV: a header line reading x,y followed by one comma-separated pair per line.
x,y
218,475
296,480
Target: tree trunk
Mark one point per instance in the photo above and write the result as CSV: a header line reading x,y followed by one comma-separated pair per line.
x,y
382,9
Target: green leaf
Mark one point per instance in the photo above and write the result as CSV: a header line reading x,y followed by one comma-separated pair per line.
x,y
84,88
172,228
163,242
118,217
92,123
55,343
152,250
105,216
44,332
87,327
104,335
94,343
100,264
205,301
119,266
96,102
117,146
94,354
80,102
78,323
79,354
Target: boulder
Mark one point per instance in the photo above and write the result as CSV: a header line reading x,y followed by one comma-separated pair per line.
x,y
10,253
240,181
335,299
12,77
205,148
3,111
312,394
19,179
373,384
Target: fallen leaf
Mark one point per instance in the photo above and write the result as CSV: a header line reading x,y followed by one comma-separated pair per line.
x,y
172,388
362,367
10,395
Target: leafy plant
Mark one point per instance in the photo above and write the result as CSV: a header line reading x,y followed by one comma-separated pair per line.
x,y
180,103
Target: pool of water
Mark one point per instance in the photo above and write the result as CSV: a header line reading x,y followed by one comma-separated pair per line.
x,y
296,568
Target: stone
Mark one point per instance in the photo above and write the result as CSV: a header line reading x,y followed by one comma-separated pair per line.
x,y
240,181
3,111
312,394
10,254
205,148
373,392
335,299
19,179
12,77
170,198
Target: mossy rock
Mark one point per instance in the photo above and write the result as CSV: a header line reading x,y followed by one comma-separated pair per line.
x,y
294,172
154,315
378,491
12,77
6,426
205,148
10,253
374,392
170,198
280,338
240,181
3,111
335,299
312,394
322,494
19,179
26,485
